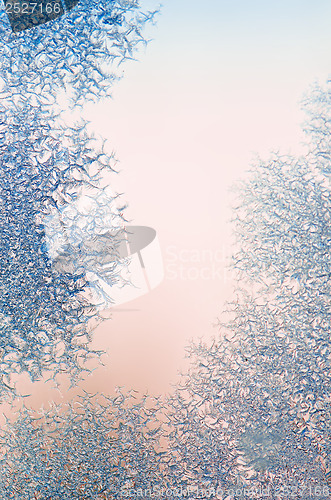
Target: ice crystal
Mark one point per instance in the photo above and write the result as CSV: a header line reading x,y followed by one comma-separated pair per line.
x,y
75,52
48,172
254,410
318,127
44,308
94,448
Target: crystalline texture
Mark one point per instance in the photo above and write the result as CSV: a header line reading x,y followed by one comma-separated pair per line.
x,y
45,309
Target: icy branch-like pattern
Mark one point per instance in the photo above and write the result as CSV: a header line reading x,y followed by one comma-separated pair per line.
x,y
44,308
254,411
282,226
75,52
58,225
95,448
318,127
236,425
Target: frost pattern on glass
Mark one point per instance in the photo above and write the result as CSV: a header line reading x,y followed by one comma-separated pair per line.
x,y
48,294
45,309
77,52
254,410
318,127
94,448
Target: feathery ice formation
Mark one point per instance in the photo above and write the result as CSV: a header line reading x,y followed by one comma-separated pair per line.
x,y
76,53
47,292
94,448
45,309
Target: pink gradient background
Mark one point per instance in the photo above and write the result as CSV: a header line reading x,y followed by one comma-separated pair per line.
x,y
218,84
